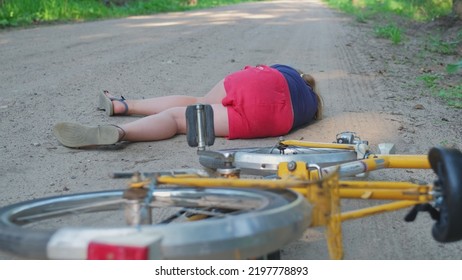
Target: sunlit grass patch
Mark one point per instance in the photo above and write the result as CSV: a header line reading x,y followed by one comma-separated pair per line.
x,y
26,12
413,9
429,80
389,31
452,96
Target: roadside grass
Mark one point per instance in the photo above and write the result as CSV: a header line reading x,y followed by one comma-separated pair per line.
x,y
429,80
21,13
25,12
454,67
389,31
447,47
452,96
419,10
385,13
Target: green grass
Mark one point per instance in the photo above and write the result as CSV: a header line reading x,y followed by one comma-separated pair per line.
x,y
422,10
438,45
452,96
454,67
26,12
389,31
417,11
430,80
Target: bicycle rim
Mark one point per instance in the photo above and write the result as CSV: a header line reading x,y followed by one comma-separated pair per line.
x,y
264,161
241,223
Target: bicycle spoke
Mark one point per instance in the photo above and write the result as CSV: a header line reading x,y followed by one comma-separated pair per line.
x,y
214,201
188,212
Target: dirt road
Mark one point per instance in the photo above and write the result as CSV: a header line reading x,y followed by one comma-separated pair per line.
x,y
53,73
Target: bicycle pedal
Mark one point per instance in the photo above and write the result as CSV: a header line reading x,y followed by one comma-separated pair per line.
x,y
200,130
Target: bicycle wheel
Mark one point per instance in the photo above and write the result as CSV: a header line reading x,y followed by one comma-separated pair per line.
x,y
240,223
447,164
264,161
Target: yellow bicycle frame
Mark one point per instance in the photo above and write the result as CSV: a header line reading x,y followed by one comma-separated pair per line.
x,y
325,192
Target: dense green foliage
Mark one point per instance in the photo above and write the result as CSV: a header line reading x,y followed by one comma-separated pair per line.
x,y
26,12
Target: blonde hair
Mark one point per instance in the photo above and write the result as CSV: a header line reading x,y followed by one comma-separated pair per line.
x,y
312,83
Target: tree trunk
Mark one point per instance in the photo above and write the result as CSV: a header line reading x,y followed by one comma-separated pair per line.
x,y
457,8
190,2
117,2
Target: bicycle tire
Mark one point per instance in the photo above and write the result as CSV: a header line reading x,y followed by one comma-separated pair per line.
x,y
447,164
263,161
277,218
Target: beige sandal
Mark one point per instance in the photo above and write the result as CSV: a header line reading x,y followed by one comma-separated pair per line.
x,y
76,135
105,104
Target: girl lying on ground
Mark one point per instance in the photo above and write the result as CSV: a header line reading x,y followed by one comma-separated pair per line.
x,y
255,102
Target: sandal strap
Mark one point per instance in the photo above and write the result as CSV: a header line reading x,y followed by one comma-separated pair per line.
x,y
121,99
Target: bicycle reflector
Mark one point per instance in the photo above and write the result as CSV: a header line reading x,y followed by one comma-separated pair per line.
x,y
138,246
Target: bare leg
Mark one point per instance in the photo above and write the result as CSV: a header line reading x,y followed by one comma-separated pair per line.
x,y
170,123
151,128
156,105
165,118
215,95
